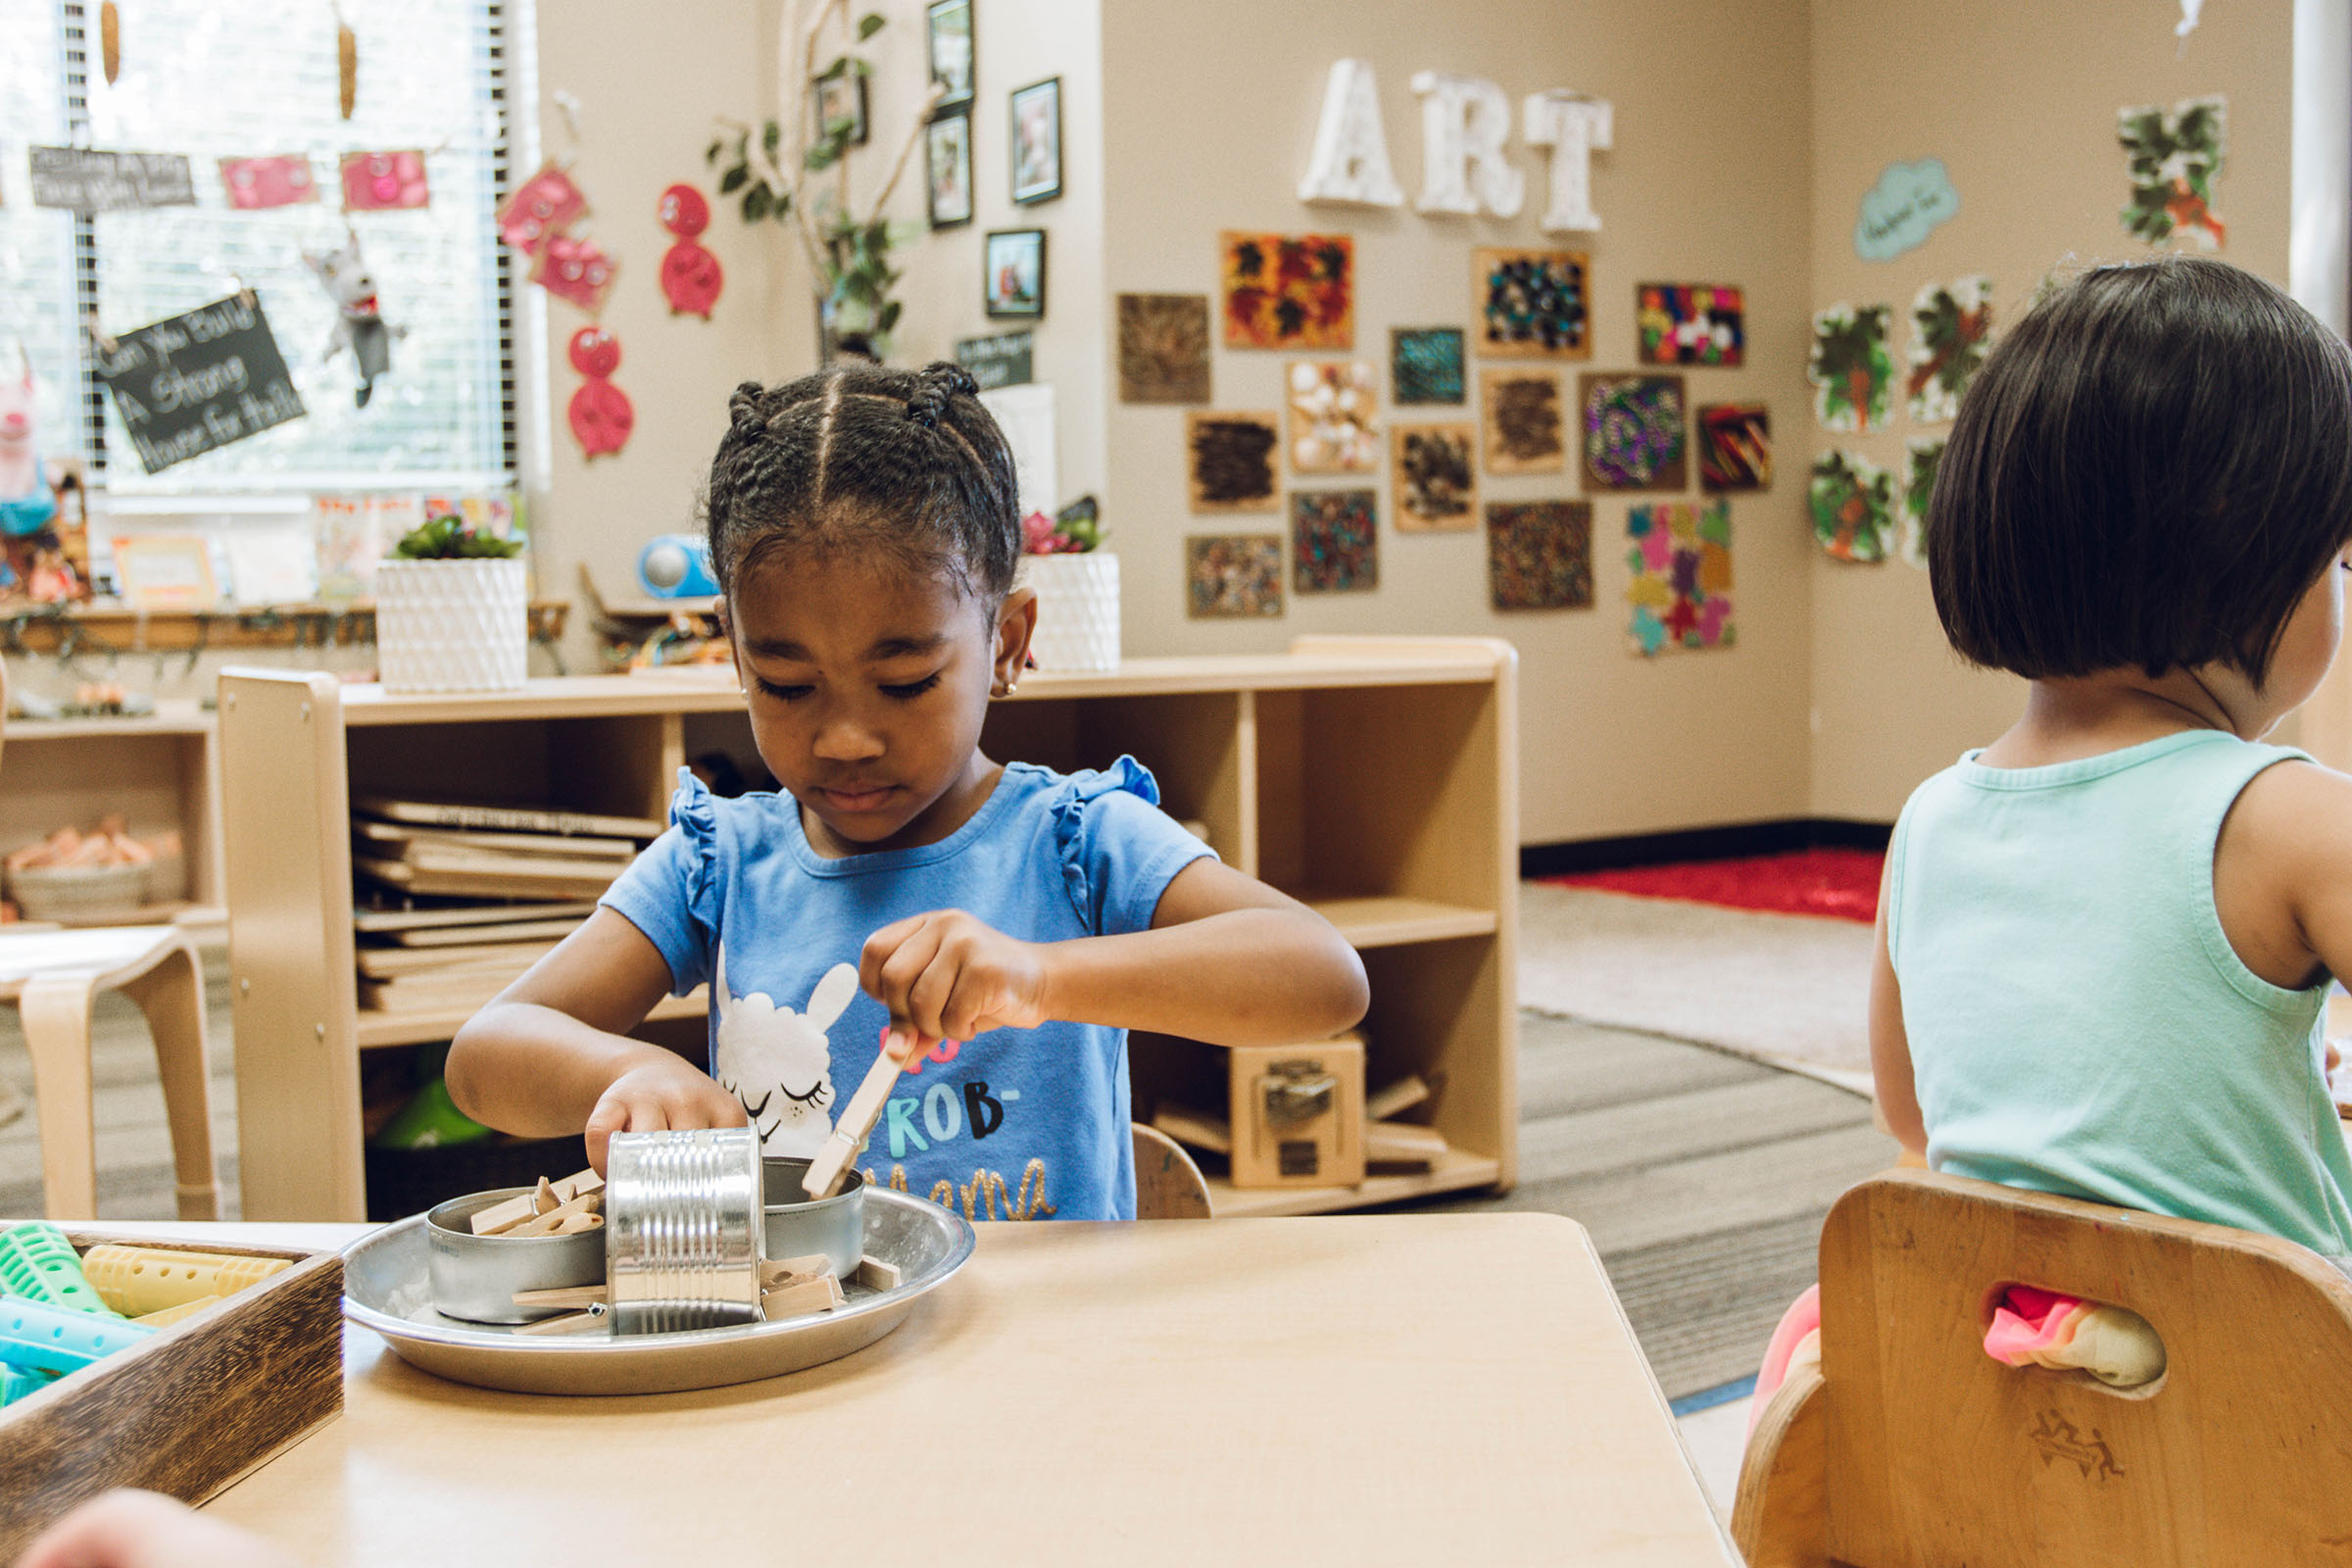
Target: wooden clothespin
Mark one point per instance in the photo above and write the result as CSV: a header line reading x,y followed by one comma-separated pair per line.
x,y
857,1119
819,1294
546,1224
570,1323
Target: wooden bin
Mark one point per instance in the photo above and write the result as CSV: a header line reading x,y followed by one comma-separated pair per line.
x,y
187,1411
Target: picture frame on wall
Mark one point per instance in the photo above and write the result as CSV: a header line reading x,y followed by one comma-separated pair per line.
x,y
947,41
1037,142
839,94
1013,276
948,170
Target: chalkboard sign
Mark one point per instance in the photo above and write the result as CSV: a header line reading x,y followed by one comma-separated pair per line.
x,y
1000,360
198,381
81,181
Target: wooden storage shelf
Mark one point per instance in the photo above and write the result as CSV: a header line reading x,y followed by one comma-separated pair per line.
x,y
119,628
1379,773
1456,1172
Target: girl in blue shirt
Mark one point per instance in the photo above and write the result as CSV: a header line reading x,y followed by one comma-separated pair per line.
x,y
1000,925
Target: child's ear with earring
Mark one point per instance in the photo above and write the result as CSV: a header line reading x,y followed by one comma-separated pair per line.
x,y
1017,623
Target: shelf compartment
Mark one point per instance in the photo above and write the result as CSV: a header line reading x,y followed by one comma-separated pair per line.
x,y
377,1030
1457,1171
1383,922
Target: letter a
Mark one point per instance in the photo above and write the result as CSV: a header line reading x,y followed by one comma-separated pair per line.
x,y
1464,123
1571,125
1350,161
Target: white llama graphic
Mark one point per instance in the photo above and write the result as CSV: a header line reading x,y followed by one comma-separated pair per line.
x,y
778,1064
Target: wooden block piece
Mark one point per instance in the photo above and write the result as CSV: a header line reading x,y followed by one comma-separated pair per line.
x,y
1398,1143
1197,1128
876,1275
545,1224
821,1294
1400,1097
782,1269
571,1298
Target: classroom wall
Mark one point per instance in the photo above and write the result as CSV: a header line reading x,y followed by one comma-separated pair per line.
x,y
2019,99
1210,114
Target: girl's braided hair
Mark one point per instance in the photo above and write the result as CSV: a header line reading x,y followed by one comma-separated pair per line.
x,y
860,458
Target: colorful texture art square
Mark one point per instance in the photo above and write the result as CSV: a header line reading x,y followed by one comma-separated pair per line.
x,y
1425,364
1735,446
1852,501
1230,462
1519,413
1288,291
1334,541
1681,558
1333,409
1533,303
1232,576
1632,431
1436,473
1163,348
1539,553
1920,459
1951,326
1849,368
2175,156
1690,324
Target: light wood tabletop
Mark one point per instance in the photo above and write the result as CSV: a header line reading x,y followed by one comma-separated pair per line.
x,y
1381,1388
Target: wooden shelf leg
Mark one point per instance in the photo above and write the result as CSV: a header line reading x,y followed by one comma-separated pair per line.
x,y
171,996
56,1011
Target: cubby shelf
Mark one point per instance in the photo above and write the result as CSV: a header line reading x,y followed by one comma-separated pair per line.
x,y
1388,923
375,1030
1456,1172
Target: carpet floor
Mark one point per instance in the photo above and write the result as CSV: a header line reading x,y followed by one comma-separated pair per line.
x,y
1843,884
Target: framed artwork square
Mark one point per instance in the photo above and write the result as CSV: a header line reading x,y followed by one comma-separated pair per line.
x,y
1013,279
1332,408
1037,142
1425,364
837,95
1690,324
1230,463
1539,553
1334,541
1531,304
1735,446
948,170
1163,348
948,45
1435,468
1520,421
1680,595
1234,576
1632,431
1287,291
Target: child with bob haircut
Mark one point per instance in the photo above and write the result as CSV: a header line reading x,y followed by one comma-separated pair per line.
x,y
999,926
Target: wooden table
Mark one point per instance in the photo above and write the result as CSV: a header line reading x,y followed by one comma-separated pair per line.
x,y
1386,1388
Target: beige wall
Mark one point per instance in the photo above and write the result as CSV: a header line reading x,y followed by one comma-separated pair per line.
x,y
2017,97
1210,112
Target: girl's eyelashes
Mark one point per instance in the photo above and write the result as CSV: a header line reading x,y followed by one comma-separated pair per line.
x,y
904,693
909,692
789,694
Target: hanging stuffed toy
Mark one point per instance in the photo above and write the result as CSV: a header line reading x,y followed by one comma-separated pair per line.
x,y
600,413
27,505
360,326
691,275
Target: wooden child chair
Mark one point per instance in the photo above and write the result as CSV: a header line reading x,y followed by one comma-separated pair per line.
x,y
52,977
1910,1446
1167,1184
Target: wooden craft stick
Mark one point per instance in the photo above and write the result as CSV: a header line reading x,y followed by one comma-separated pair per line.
x,y
544,1199
819,1294
500,1219
857,1119
545,1223
1402,1095
568,1323
876,1275
775,1273
571,1298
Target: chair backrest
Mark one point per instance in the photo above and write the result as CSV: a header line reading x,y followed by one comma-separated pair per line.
x,y
1167,1184
1934,1452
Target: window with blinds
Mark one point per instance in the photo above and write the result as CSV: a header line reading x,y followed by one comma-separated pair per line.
x,y
247,79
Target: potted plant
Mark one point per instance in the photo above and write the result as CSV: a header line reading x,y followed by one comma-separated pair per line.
x,y
1077,585
452,611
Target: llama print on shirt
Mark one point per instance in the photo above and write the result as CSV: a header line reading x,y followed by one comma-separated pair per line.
x,y
778,1064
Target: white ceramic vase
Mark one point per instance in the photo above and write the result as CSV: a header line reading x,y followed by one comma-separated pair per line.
x,y
452,626
1077,610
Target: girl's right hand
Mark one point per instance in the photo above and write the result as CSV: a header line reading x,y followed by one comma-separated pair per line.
x,y
656,1096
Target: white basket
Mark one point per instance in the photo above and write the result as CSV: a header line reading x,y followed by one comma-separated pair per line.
x,y
79,894
452,626
1077,610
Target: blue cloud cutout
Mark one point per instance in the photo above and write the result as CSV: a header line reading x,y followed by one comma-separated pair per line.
x,y
1899,212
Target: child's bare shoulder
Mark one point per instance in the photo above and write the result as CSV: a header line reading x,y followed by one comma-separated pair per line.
x,y
2295,819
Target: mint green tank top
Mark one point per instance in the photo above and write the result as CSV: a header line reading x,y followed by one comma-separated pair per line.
x,y
2079,1022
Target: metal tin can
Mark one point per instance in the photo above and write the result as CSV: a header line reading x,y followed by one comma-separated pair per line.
x,y
800,1226
682,1229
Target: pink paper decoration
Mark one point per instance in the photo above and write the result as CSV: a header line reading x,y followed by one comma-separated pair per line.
x,y
547,203
383,182
600,413
254,183
691,276
575,269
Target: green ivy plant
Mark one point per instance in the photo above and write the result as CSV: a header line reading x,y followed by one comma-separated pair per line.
x,y
848,256
447,538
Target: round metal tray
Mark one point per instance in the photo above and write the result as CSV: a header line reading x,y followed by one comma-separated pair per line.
x,y
386,1289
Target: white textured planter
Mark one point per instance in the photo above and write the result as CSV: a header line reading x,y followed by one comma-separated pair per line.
x,y
452,626
1077,610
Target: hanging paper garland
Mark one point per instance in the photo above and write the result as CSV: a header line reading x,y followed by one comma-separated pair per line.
x,y
109,41
600,413
574,269
691,276
385,182
347,64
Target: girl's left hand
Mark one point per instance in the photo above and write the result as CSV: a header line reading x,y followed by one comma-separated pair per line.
x,y
948,975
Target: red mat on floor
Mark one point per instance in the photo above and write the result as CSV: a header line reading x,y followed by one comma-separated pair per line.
x,y
1843,884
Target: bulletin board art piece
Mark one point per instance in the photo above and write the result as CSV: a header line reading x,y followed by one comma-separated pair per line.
x,y
1425,365
1951,326
1232,576
1287,291
1849,368
1680,593
1521,422
1532,304
1735,446
2174,158
1852,501
548,203
1230,463
1435,468
255,183
1334,541
1922,457
1690,324
1539,555
1163,348
385,182
1332,418
1634,432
